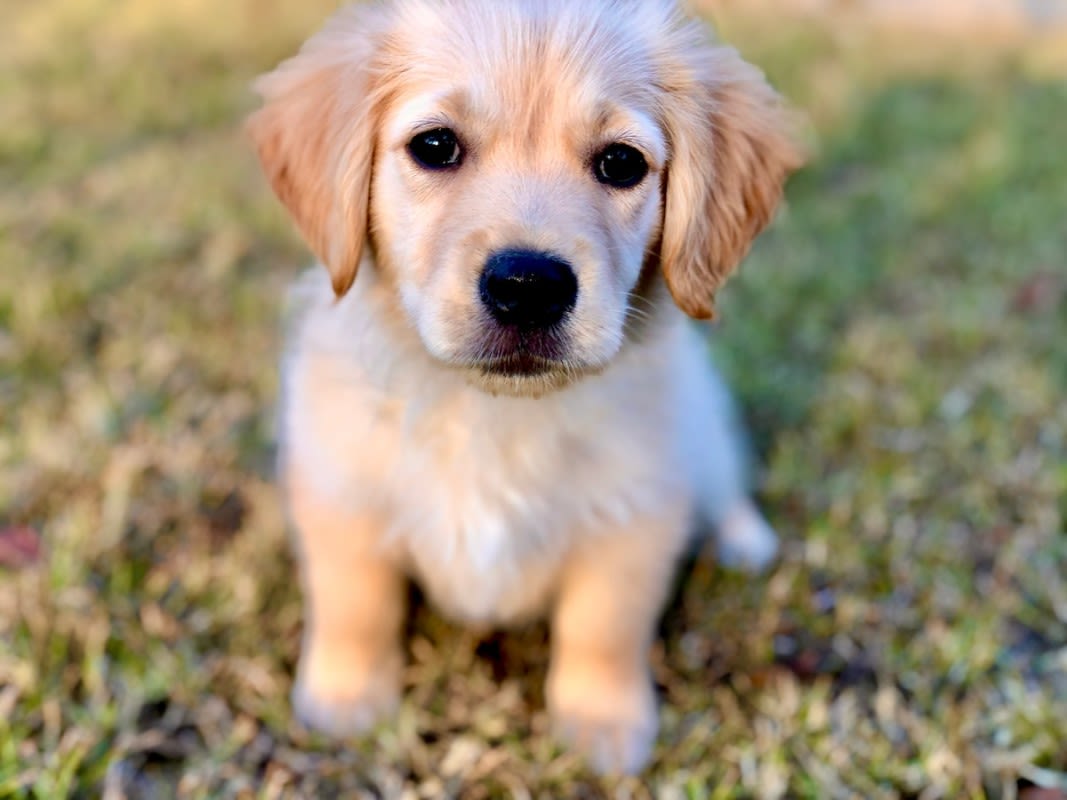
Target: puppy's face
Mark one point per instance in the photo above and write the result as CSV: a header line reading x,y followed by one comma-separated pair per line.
x,y
517,191
525,168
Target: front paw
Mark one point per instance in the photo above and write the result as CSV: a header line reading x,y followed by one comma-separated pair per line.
x,y
346,700
612,723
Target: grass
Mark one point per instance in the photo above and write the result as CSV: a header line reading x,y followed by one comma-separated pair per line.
x,y
897,339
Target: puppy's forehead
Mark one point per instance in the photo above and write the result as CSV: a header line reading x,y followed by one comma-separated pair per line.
x,y
537,57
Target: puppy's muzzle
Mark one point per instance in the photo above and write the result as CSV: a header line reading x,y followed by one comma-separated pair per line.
x,y
528,290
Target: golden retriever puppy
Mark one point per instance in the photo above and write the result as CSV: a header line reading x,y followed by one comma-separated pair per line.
x,y
508,403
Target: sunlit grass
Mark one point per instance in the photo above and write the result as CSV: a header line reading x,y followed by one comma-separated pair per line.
x,y
897,339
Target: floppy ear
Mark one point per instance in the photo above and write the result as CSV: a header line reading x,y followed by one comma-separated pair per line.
x,y
732,149
315,138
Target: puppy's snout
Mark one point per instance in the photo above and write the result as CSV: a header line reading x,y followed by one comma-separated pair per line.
x,y
528,289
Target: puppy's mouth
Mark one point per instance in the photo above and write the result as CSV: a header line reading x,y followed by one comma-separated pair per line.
x,y
519,365
517,353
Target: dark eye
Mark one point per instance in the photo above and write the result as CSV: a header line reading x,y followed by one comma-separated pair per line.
x,y
436,149
620,165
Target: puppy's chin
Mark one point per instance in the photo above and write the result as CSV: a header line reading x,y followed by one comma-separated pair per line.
x,y
524,375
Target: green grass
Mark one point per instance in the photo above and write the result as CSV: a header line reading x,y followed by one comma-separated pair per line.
x,y
897,338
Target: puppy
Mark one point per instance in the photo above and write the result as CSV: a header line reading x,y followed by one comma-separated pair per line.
x,y
509,405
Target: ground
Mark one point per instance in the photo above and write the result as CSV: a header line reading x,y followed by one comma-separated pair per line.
x,y
897,340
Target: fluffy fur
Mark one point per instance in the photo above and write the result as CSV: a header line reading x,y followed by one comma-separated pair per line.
x,y
407,451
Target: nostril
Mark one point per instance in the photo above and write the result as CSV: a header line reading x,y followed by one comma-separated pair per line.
x,y
528,289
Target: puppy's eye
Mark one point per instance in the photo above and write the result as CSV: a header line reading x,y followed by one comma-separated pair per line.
x,y
436,149
620,165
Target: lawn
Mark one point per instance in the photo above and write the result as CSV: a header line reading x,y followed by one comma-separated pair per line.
x,y
897,338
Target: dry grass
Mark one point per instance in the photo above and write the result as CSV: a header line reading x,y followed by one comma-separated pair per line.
x,y
898,339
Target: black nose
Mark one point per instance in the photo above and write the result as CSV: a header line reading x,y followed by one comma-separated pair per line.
x,y
528,289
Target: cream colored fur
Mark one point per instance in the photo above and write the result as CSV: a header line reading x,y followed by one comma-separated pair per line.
x,y
570,493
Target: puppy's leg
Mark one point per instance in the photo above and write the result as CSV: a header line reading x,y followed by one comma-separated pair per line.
x,y
599,688
350,660
746,540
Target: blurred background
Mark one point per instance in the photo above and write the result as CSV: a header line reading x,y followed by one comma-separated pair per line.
x,y
897,339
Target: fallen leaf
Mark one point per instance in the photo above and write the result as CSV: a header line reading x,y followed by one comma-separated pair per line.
x,y
1039,793
1039,294
20,546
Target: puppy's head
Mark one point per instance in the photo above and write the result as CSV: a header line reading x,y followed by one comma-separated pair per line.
x,y
527,172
